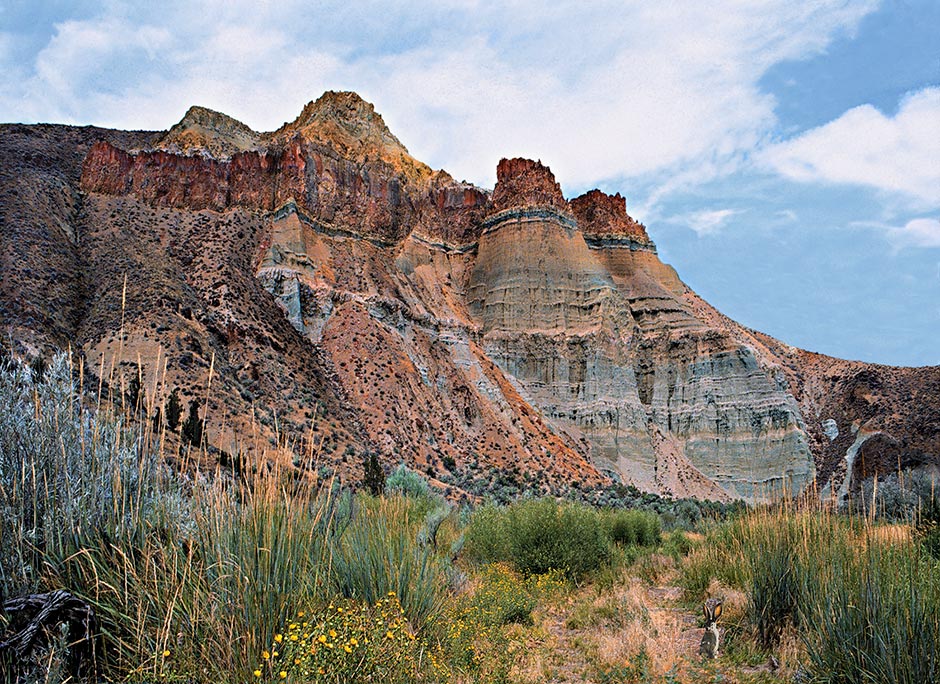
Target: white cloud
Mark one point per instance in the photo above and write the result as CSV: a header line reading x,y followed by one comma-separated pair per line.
x,y
899,154
705,222
923,231
596,91
919,232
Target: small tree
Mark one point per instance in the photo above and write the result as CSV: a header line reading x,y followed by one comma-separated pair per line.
x,y
133,391
38,369
174,409
193,426
374,475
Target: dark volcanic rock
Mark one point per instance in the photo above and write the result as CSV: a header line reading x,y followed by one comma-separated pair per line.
x,y
523,182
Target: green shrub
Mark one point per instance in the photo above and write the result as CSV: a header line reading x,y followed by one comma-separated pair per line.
x,y
475,628
634,527
500,598
677,544
350,642
930,539
406,481
537,536
373,478
486,539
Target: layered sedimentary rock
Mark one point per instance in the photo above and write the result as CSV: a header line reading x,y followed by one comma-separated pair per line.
x,y
349,298
584,315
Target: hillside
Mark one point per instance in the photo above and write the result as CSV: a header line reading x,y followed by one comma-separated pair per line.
x,y
348,298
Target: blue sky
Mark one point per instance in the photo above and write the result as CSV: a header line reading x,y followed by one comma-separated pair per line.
x,y
784,156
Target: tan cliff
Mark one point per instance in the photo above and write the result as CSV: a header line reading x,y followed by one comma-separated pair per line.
x,y
349,298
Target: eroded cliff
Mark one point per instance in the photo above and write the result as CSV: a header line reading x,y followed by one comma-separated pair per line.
x,y
356,300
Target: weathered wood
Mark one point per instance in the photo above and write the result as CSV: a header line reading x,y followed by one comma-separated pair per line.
x,y
35,617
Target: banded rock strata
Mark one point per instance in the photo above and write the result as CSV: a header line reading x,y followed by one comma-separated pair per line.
x,y
353,298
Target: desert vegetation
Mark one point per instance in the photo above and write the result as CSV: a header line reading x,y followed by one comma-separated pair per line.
x,y
277,574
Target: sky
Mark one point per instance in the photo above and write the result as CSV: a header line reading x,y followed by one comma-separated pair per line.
x,y
784,156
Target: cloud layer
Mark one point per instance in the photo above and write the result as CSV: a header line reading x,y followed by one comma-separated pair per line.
x,y
920,232
599,91
897,154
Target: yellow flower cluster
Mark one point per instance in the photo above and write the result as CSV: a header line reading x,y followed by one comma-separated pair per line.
x,y
477,635
350,641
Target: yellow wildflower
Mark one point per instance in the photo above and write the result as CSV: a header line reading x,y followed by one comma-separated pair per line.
x,y
257,673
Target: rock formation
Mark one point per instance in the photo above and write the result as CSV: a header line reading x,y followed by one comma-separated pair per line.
x,y
349,298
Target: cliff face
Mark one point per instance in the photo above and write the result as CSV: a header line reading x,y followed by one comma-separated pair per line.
x,y
579,309
355,299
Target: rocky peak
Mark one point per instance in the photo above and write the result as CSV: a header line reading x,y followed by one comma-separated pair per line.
x,y
348,111
601,215
204,131
523,182
351,126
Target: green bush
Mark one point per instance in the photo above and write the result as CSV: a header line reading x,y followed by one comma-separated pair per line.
x,y
373,478
540,535
641,528
930,539
486,539
349,641
677,544
475,626
407,482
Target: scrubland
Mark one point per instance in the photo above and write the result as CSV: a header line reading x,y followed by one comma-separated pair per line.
x,y
271,574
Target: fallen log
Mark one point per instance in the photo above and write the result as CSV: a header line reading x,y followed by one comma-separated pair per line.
x,y
35,619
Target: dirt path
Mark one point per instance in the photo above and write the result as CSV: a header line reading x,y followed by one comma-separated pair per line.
x,y
631,632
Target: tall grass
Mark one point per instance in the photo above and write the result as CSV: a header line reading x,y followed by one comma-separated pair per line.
x,y
82,497
863,599
378,555
874,617
190,576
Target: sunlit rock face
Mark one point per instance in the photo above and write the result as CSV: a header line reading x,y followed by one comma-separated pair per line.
x,y
574,303
356,299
